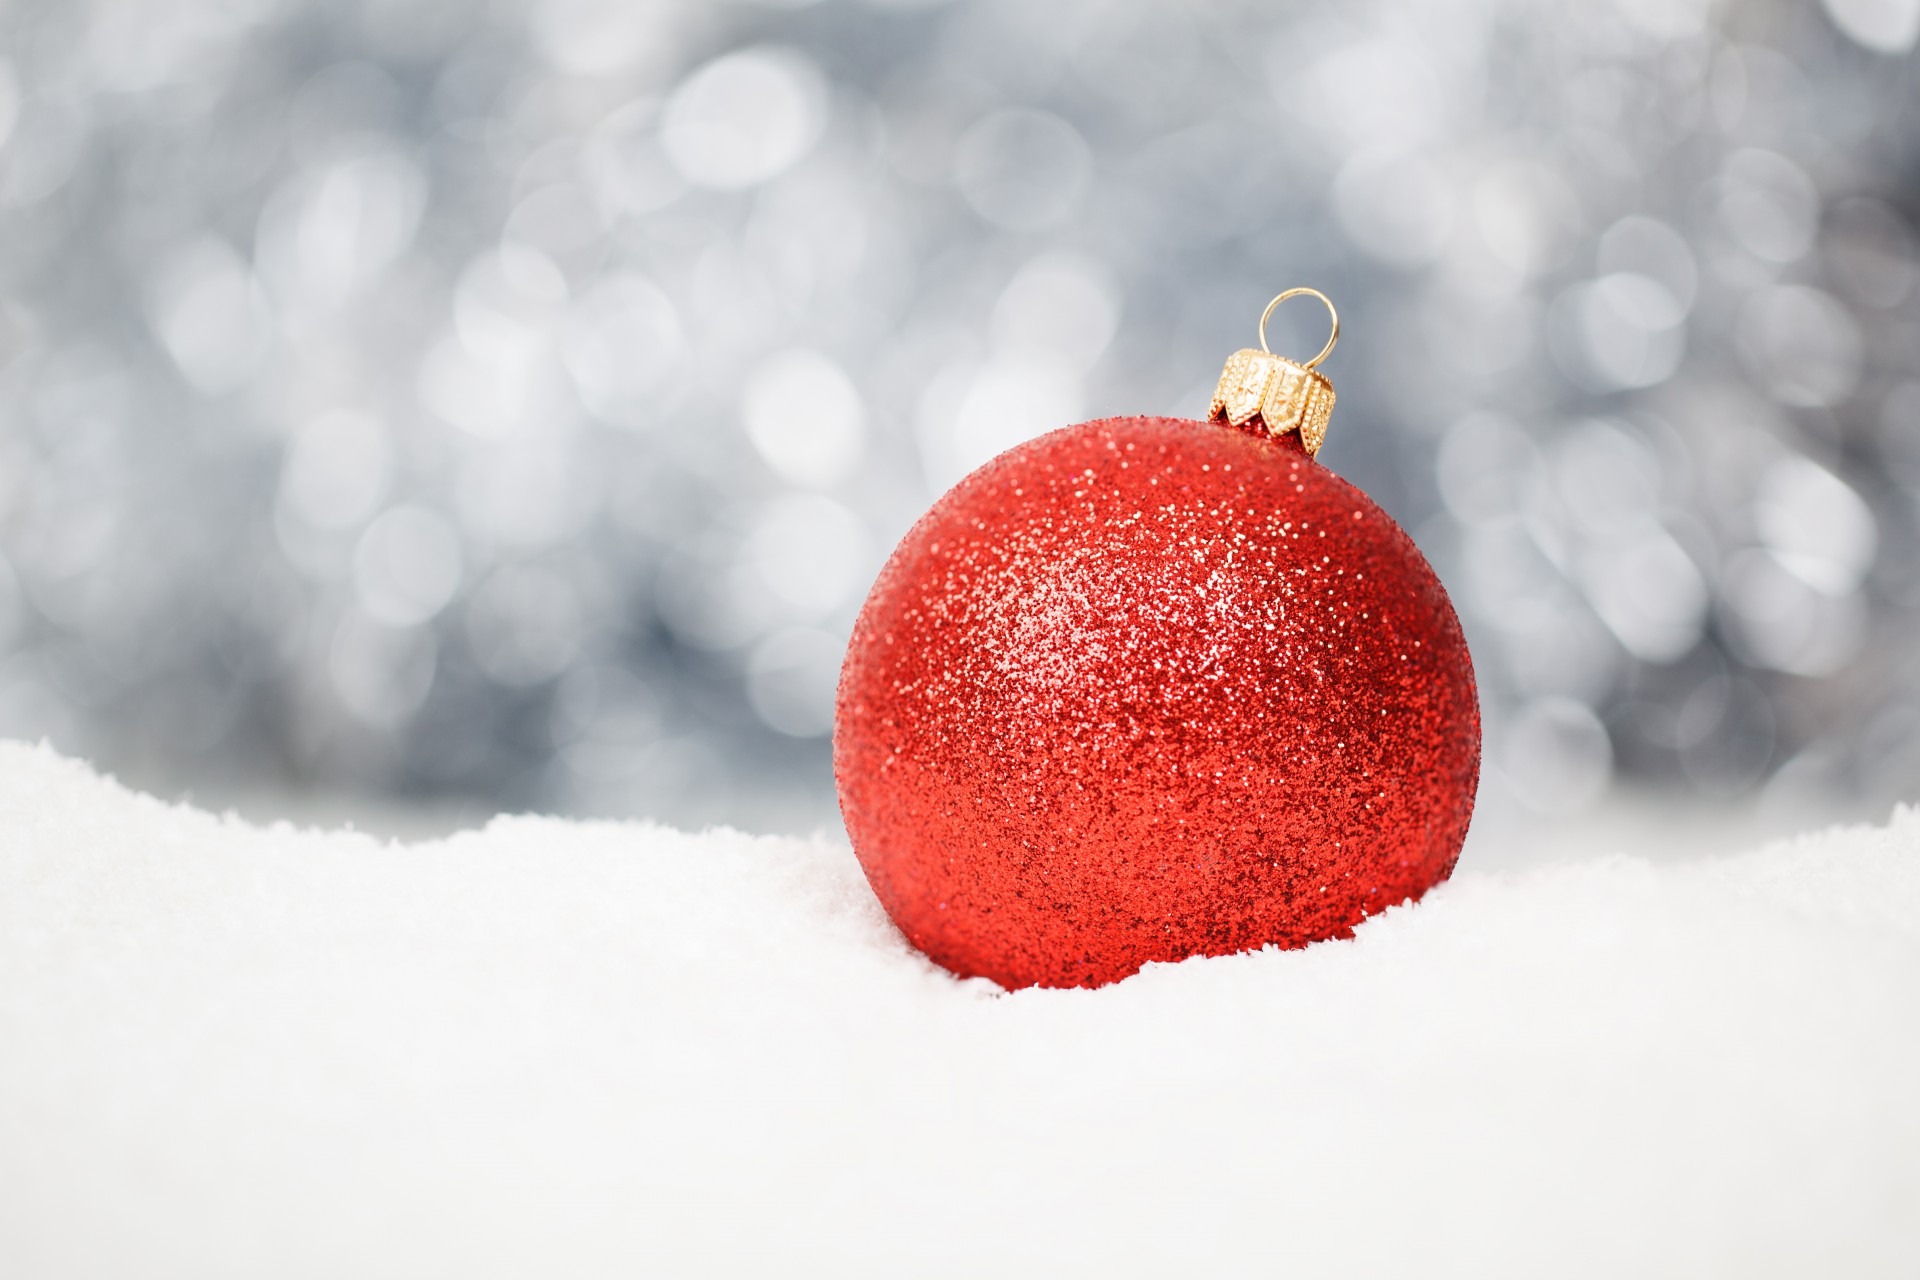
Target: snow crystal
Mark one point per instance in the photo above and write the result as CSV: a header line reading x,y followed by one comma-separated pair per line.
x,y
595,1049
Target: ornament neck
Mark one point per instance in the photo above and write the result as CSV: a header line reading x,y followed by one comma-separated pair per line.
x,y
1286,442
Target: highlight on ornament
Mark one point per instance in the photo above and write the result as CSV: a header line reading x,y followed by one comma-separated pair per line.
x,y
1149,688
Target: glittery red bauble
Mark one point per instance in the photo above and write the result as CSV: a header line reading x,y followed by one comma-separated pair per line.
x,y
1144,689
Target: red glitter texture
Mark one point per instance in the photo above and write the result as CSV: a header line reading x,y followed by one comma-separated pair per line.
x,y
1145,689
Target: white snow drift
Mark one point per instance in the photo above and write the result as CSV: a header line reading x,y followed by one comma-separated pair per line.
x,y
550,1048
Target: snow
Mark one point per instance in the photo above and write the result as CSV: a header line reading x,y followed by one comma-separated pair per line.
x,y
575,1049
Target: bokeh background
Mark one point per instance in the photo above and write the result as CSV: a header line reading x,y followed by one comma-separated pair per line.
x,y
477,406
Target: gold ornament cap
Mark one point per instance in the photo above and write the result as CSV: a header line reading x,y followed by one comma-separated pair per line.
x,y
1282,395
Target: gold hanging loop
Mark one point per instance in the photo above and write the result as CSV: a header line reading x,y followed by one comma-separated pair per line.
x,y
1303,292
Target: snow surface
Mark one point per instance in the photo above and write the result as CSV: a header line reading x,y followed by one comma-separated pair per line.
x,y
552,1048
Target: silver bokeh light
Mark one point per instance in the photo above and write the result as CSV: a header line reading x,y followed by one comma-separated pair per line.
x,y
512,402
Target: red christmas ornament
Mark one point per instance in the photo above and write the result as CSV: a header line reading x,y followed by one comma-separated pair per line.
x,y
1145,688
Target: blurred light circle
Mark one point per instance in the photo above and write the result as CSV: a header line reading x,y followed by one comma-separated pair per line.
x,y
1884,26
1871,248
615,762
406,566
625,350
1607,480
317,554
597,705
1651,249
1510,580
1062,303
505,301
1397,206
1526,215
560,218
210,315
524,625
1620,332
525,493
1557,755
805,417
791,678
600,37
1815,524
131,50
1649,593
340,105
1485,468
643,780
1801,345
381,673
810,555
624,165
745,117
337,470
1563,650
1768,204
1678,721
1665,19
1783,622
48,138
810,239
489,397
729,301
1004,403
1727,735
335,228
1023,170
67,542
1481,332
1366,92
